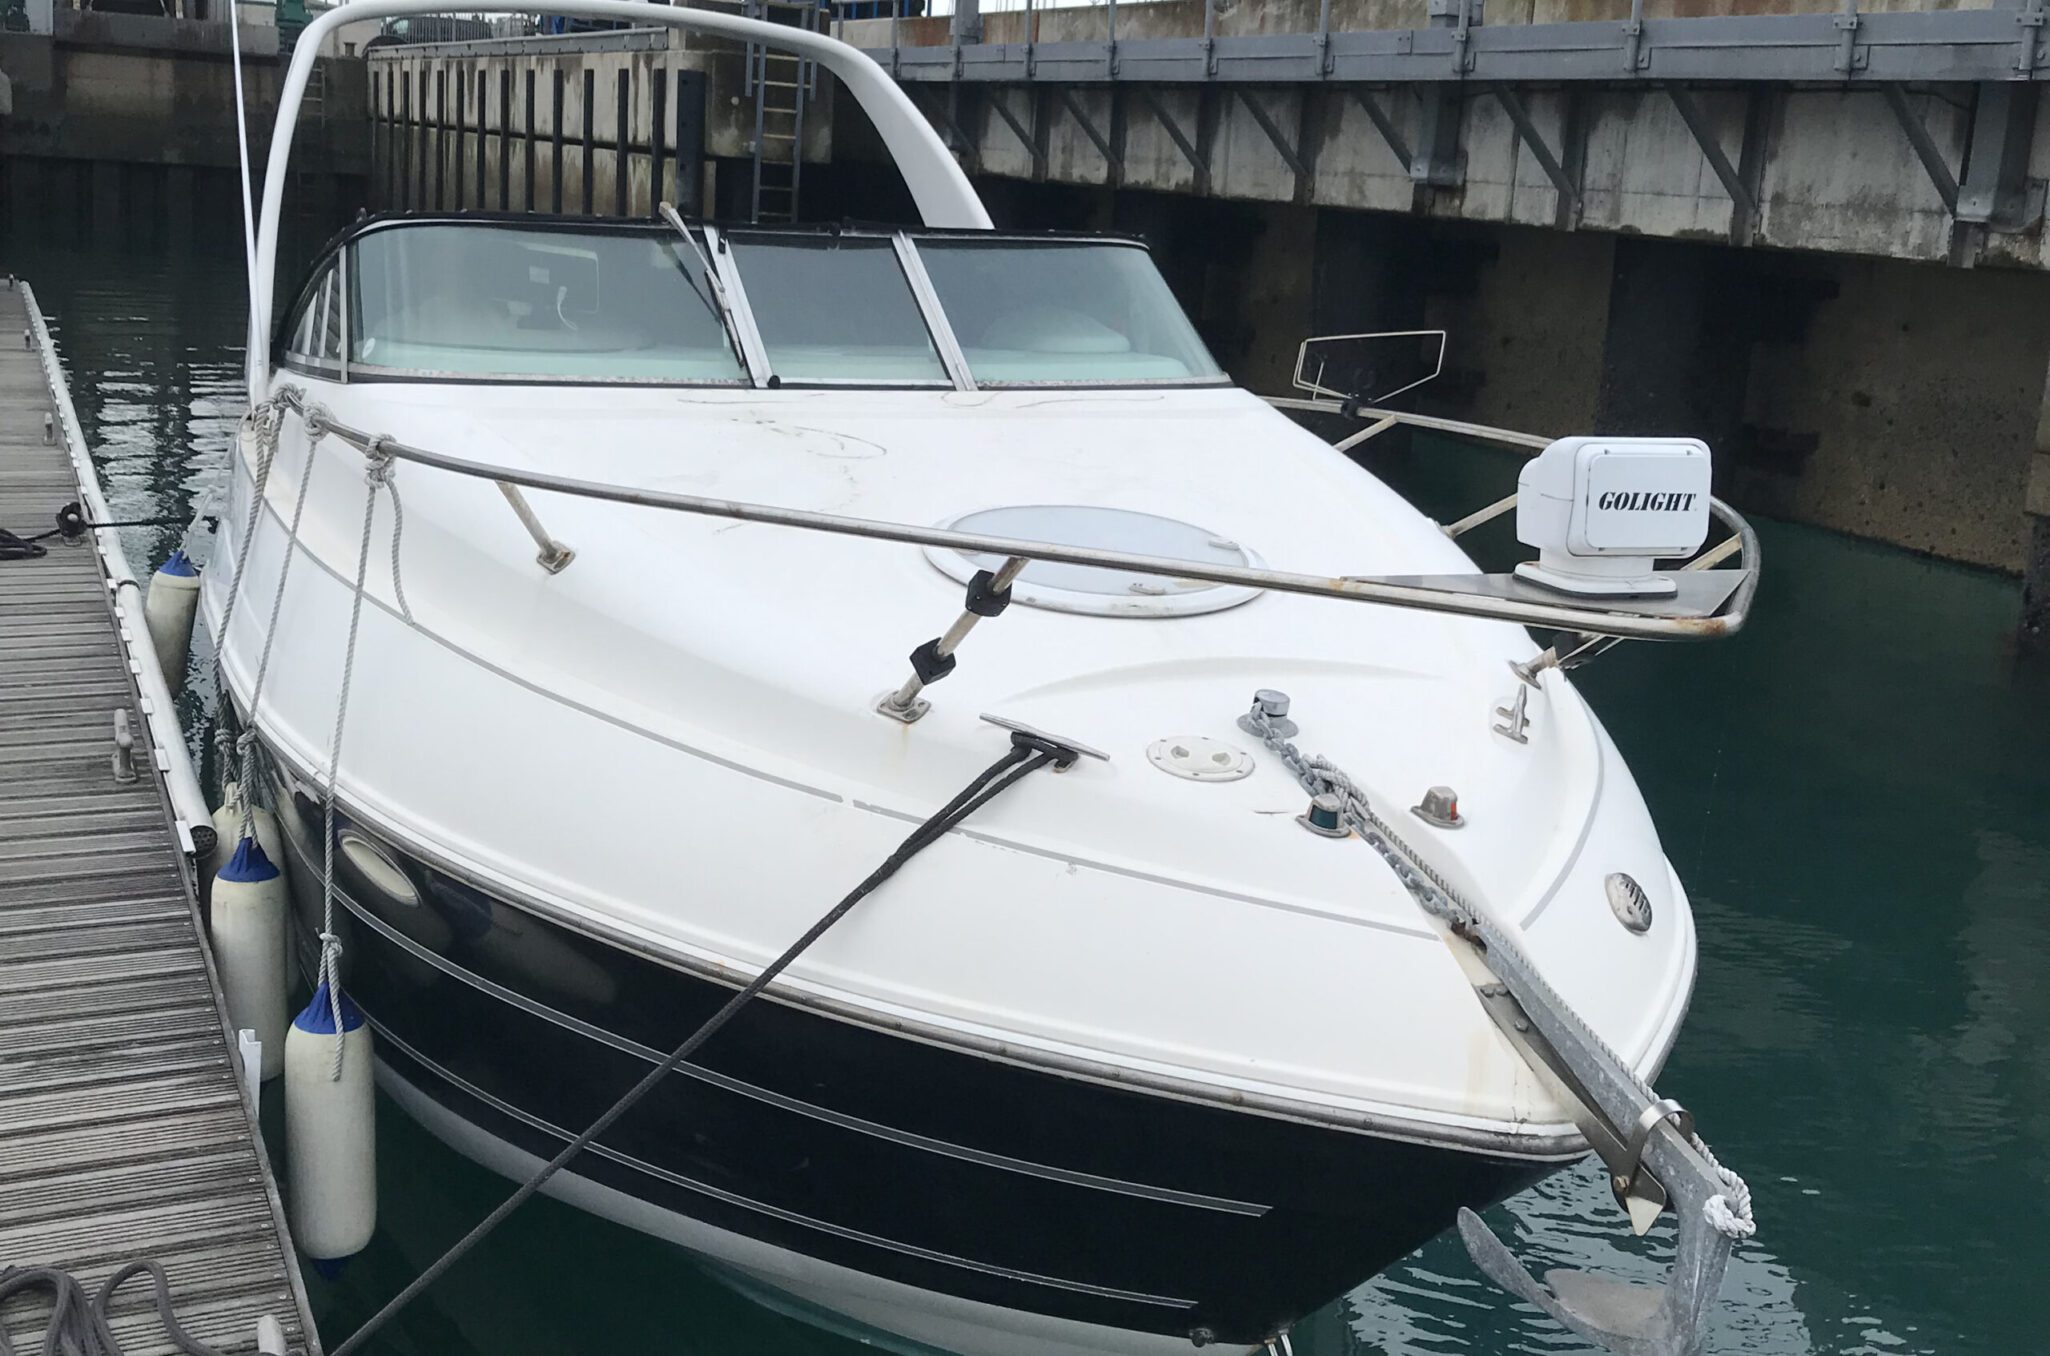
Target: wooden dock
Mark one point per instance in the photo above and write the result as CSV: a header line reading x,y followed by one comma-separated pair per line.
x,y
124,1129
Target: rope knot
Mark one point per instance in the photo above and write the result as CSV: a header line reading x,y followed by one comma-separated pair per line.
x,y
383,467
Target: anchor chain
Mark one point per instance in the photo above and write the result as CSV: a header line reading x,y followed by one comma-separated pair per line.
x,y
1730,1211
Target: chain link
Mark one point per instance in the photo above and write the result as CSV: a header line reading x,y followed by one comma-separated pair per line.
x,y
1729,1212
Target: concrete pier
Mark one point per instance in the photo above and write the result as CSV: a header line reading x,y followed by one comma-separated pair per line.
x,y
105,106
124,1129
607,123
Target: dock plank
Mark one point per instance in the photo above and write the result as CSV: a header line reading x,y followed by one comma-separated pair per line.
x,y
123,1129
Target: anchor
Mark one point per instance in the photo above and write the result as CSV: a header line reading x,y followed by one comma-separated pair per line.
x,y
1659,1148
1658,1161
1648,1143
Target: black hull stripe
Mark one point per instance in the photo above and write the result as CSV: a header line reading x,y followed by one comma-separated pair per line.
x,y
1169,1195
385,1034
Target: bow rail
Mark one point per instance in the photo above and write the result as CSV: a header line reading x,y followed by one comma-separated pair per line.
x,y
1710,604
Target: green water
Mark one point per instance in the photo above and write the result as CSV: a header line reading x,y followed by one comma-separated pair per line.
x,y
1856,790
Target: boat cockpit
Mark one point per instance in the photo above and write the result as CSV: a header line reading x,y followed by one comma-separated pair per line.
x,y
481,297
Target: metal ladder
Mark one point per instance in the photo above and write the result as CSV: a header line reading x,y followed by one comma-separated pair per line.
x,y
782,85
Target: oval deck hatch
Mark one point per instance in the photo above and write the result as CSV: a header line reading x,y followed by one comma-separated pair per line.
x,y
1099,592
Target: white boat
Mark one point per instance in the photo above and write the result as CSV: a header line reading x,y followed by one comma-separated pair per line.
x,y
1133,1059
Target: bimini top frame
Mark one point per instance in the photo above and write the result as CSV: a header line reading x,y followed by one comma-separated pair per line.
x,y
938,187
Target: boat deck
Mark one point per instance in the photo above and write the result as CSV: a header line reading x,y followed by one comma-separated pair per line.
x,y
124,1132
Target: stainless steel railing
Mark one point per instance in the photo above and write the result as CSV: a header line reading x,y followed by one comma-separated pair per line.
x,y
1492,597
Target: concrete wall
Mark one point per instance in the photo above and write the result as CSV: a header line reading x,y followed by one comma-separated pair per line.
x,y
1832,169
416,124
1885,399
97,92
1921,388
1891,400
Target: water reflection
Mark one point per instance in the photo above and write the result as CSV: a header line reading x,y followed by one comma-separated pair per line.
x,y
1857,792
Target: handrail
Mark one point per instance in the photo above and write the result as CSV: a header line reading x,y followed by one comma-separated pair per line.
x,y
1620,622
939,188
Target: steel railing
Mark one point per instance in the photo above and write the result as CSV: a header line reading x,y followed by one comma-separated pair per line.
x,y
1510,599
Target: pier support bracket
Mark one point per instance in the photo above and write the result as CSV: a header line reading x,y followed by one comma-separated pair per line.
x,y
1018,129
1744,205
1519,117
1997,192
1926,149
1390,134
1438,161
1115,163
1181,139
1291,154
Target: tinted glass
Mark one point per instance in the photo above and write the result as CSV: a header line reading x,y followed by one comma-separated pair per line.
x,y
1063,311
836,309
505,301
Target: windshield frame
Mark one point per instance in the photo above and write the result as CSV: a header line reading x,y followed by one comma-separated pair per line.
x,y
752,351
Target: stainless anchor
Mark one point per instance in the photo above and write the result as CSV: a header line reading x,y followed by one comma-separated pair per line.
x,y
1652,1165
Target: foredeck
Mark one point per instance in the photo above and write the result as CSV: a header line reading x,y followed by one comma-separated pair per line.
x,y
124,1132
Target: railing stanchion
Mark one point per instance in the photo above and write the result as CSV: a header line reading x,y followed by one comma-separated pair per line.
x,y
554,557
988,595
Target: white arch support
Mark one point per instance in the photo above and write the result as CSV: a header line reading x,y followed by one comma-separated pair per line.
x,y
941,191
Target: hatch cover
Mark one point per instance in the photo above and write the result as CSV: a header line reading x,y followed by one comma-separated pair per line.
x,y
1101,592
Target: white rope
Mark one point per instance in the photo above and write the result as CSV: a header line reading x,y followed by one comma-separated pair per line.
x,y
1729,1211
265,421
246,744
377,475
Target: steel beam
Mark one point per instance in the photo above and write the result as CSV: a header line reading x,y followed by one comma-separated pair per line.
x,y
1102,143
1024,134
1288,152
1961,45
1996,191
1925,146
1745,206
1519,116
1438,161
1197,160
1377,115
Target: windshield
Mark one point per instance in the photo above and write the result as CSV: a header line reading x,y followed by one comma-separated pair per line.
x,y
836,308
1063,311
507,301
583,303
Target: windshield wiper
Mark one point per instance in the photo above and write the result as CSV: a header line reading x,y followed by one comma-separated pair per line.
x,y
718,304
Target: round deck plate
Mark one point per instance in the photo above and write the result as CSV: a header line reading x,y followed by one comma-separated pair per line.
x,y
1197,758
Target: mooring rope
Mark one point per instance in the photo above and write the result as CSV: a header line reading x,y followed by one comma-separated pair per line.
x,y
246,744
72,522
265,421
376,476
78,1323
1027,754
